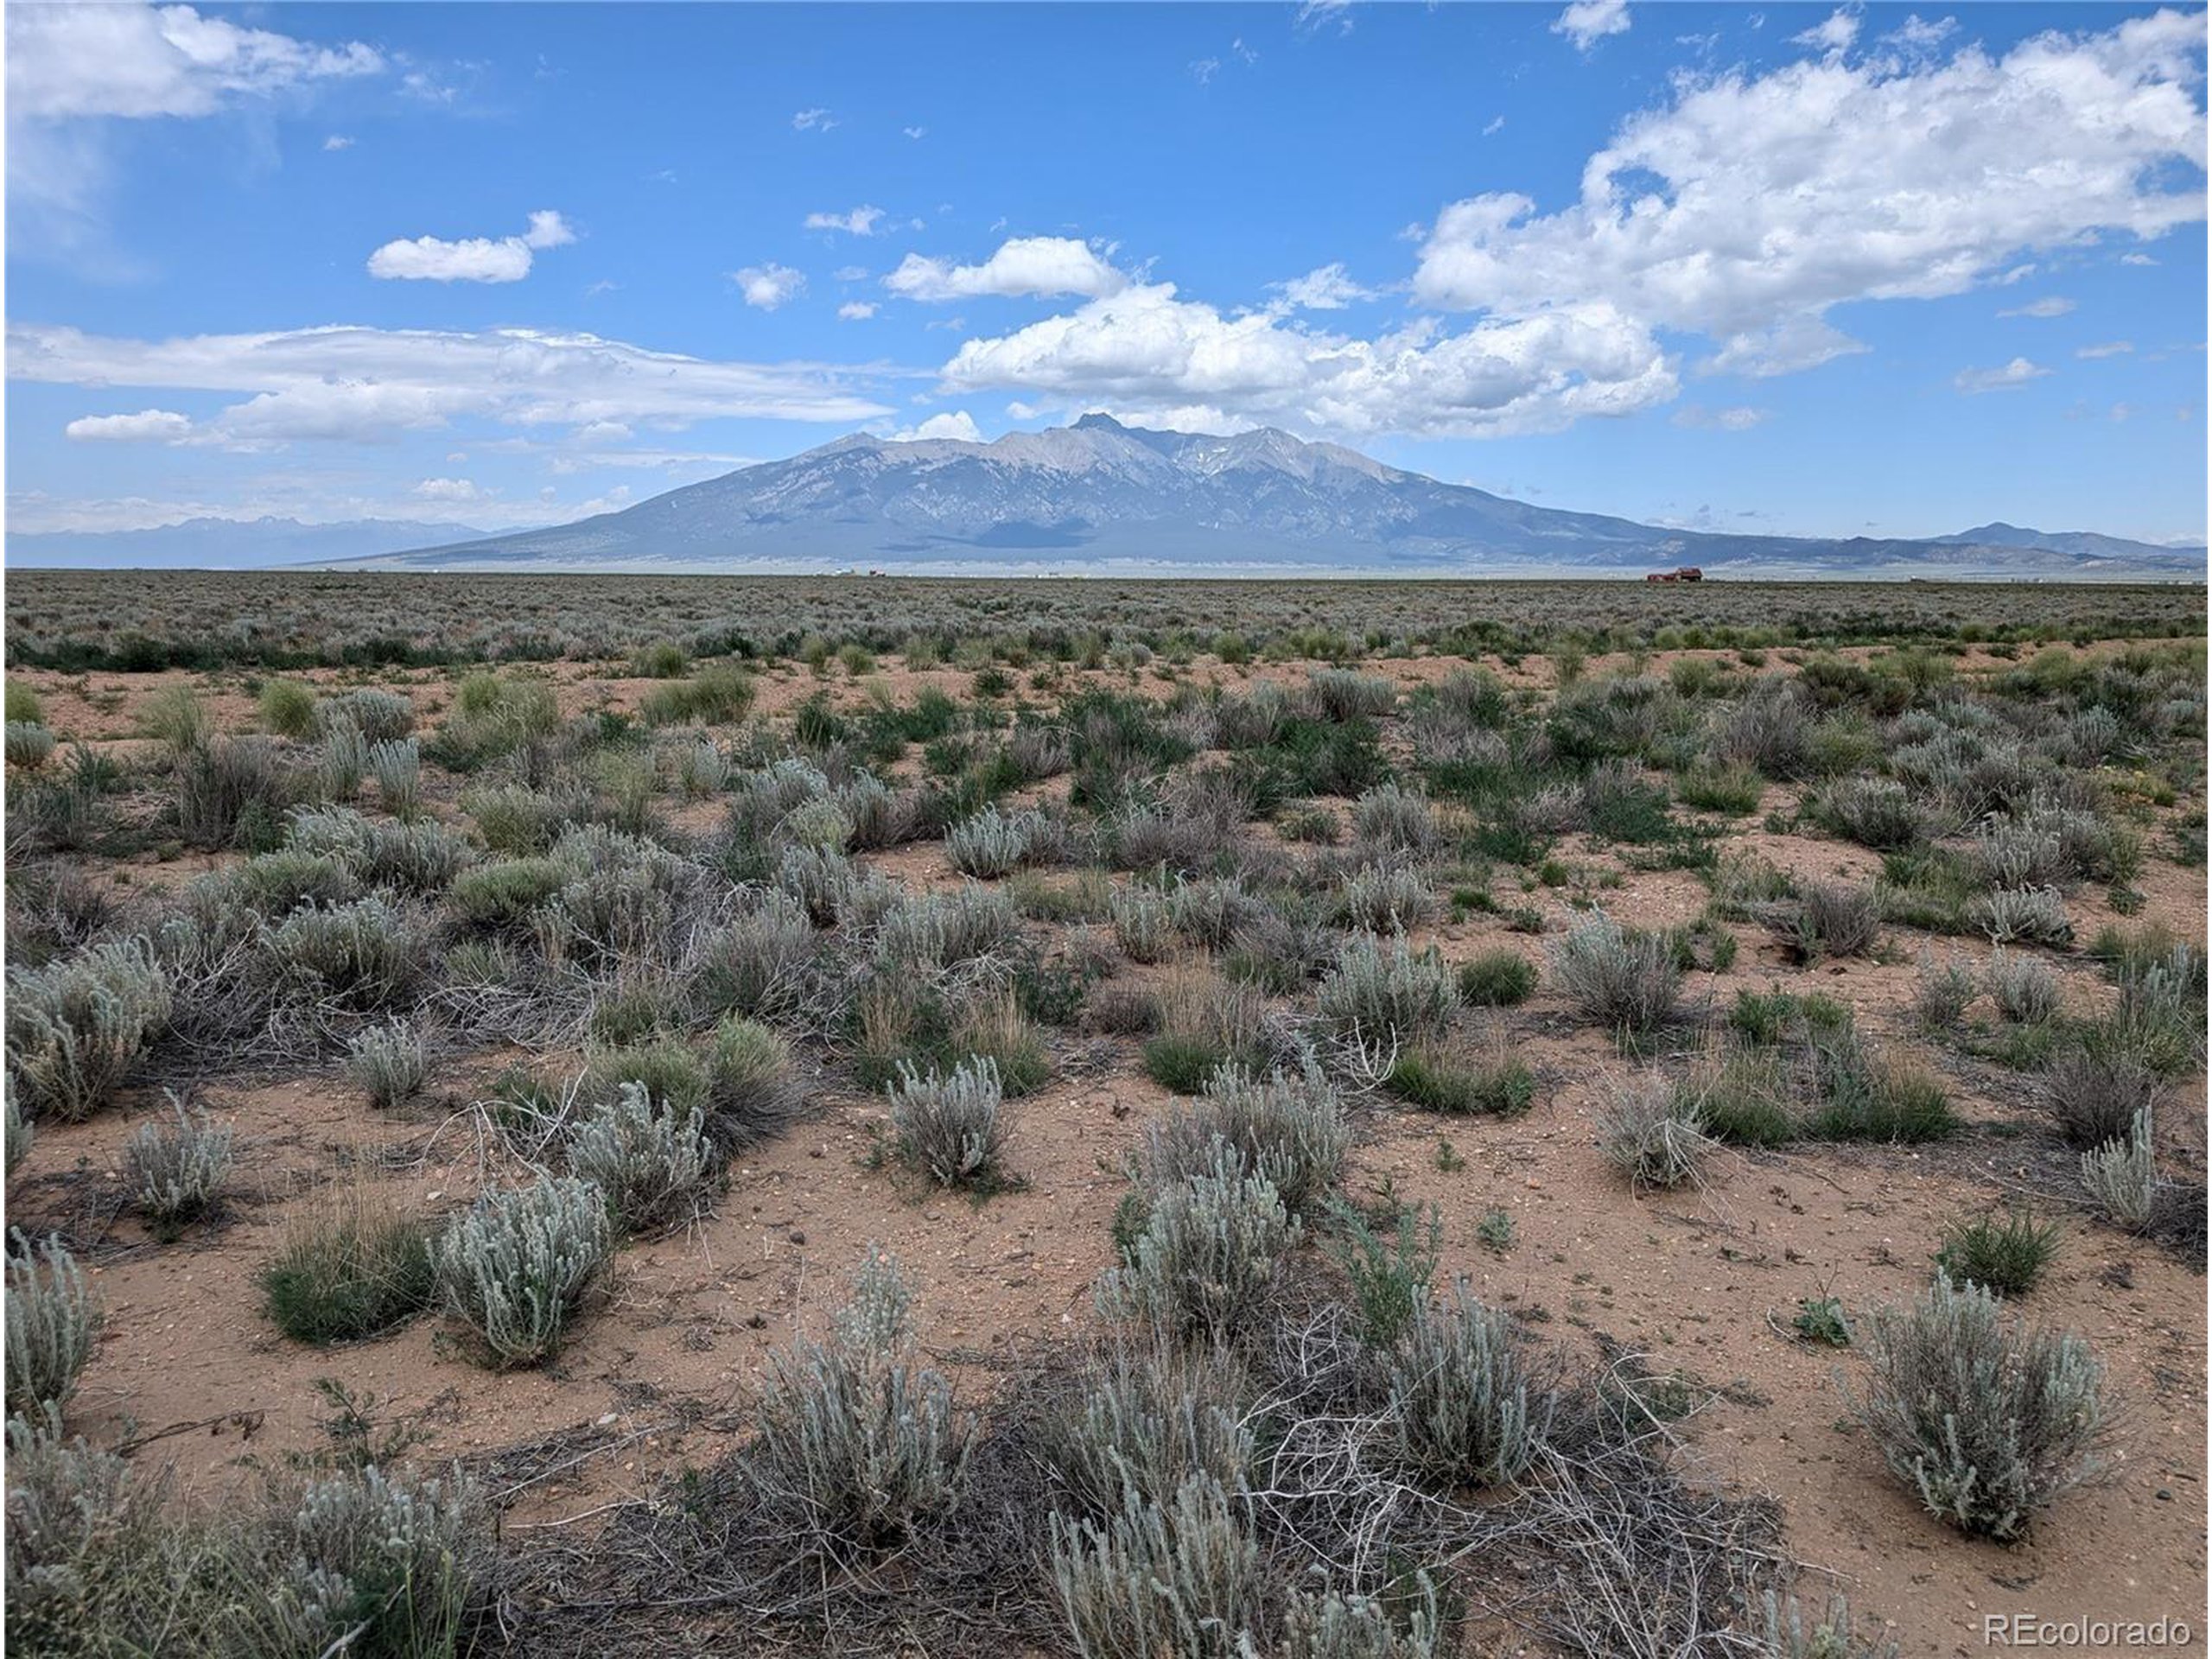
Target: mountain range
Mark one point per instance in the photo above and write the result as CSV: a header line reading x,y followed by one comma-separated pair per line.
x,y
228,544
1100,497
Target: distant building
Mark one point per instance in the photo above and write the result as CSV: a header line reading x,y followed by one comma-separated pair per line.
x,y
1687,572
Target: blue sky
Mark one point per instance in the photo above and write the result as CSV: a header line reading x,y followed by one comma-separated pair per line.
x,y
1884,269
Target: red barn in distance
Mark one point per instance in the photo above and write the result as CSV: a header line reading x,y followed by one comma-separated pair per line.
x,y
1687,572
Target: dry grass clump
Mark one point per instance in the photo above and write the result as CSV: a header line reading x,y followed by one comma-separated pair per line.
x,y
1653,1133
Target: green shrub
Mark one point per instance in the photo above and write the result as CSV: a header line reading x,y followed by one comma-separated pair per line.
x,y
349,1266
1498,1088
718,694
2006,1257
1497,979
288,709
1182,1061
29,745
1390,1281
1987,1418
174,715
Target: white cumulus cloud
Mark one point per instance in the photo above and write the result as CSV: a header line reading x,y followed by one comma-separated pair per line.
x,y
472,259
1025,266
855,311
1835,33
770,285
1748,206
147,426
1587,22
957,424
1145,349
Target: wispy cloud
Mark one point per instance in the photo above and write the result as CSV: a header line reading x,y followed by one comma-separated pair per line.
x,y
2009,378
770,285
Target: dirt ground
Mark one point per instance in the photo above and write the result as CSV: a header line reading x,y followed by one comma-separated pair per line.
x,y
1703,1281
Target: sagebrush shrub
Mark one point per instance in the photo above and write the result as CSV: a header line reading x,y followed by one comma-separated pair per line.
x,y
372,1563
650,1161
231,790
1989,1419
2122,1176
18,1134
1462,1402
859,1440
1178,1576
761,963
1876,812
1392,817
991,844
175,1170
2095,1092
942,929
1146,1416
388,1062
951,1125
1143,923
2023,915
52,1323
516,1264
2024,989
358,957
77,1026
1208,1254
92,1559
1943,993
381,715
1382,899
397,767
1836,919
1388,994
1626,981
1290,1131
